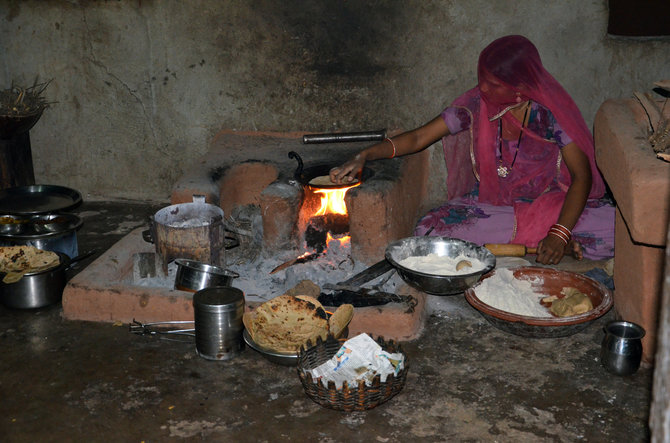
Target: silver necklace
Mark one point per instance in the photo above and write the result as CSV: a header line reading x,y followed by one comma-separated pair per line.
x,y
503,171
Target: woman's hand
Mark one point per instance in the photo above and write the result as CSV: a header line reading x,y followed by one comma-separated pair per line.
x,y
348,172
551,249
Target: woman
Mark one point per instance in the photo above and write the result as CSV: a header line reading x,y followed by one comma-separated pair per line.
x,y
529,175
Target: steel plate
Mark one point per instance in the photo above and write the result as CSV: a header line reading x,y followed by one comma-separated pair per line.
x,y
38,199
282,358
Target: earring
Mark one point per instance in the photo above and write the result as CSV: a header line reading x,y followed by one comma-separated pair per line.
x,y
518,97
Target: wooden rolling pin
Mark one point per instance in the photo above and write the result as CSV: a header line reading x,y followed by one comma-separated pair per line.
x,y
509,249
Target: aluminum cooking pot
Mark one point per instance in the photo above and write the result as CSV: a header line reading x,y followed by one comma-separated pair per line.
x,y
193,275
36,289
194,231
39,289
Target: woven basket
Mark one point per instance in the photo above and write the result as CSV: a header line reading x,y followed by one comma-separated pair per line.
x,y
348,398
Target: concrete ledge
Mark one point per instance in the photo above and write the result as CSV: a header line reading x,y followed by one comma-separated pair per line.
x,y
392,321
639,181
103,292
640,184
638,279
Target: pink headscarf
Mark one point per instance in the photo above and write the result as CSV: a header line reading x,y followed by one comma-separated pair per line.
x,y
514,62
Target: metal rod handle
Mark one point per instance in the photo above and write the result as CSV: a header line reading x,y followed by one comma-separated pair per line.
x,y
345,137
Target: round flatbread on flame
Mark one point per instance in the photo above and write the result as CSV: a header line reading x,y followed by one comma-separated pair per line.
x,y
324,180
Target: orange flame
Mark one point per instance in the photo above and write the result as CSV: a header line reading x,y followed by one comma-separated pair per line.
x,y
343,241
332,200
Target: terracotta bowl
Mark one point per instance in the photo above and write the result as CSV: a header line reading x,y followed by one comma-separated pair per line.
x,y
550,282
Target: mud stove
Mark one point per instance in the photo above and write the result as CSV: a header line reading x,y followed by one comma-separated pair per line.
x,y
261,181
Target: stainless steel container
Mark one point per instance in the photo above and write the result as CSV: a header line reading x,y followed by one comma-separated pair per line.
x,y
621,348
218,314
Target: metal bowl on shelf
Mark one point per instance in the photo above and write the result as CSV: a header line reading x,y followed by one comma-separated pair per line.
x,y
13,224
52,232
193,275
443,246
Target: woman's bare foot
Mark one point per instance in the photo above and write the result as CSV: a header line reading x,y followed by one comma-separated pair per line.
x,y
574,249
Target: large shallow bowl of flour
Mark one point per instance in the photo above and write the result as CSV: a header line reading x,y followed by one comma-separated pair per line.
x,y
447,248
550,282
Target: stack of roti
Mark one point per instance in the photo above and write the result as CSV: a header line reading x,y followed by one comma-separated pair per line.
x,y
15,261
287,322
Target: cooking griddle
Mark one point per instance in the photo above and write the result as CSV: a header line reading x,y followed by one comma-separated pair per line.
x,y
304,175
38,199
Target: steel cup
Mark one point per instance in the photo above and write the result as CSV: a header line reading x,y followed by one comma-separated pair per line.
x,y
621,349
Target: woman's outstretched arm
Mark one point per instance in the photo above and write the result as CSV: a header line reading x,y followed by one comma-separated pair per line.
x,y
406,143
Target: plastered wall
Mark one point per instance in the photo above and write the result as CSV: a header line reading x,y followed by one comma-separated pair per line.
x,y
141,87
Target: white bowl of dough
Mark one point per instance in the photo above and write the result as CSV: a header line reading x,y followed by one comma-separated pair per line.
x,y
429,263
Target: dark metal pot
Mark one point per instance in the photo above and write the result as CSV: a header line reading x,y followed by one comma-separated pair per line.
x,y
36,289
193,275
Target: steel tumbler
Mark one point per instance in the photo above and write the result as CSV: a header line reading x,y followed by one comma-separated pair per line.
x,y
218,315
621,349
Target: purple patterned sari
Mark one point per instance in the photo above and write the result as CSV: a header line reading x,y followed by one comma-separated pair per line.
x,y
521,206
468,219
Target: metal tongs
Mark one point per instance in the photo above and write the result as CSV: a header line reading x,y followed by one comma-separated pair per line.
x,y
155,328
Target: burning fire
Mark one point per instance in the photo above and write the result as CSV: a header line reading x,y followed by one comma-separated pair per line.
x,y
343,241
332,200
